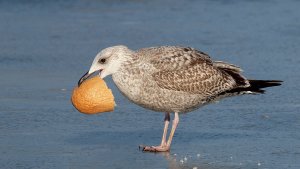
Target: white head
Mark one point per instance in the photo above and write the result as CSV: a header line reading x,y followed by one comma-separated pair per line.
x,y
108,61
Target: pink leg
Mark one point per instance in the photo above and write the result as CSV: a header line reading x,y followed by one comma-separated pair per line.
x,y
167,121
165,145
174,126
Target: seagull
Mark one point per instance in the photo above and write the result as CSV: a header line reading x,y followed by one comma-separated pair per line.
x,y
172,79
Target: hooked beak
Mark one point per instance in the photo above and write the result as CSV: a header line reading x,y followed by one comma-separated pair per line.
x,y
86,76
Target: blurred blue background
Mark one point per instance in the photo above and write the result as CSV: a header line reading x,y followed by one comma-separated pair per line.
x,y
46,46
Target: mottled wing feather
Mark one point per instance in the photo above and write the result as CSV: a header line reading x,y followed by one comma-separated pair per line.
x,y
224,65
191,71
173,57
200,79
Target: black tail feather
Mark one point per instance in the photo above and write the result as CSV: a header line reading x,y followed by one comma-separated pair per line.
x,y
256,86
265,83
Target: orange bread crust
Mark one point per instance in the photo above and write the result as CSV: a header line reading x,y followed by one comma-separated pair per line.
x,y
93,96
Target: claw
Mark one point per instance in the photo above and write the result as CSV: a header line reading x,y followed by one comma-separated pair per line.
x,y
142,147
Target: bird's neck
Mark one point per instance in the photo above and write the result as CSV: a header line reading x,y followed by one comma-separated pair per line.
x,y
126,80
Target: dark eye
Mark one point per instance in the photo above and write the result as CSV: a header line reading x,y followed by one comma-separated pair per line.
x,y
102,61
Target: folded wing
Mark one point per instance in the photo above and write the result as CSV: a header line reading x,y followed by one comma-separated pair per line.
x,y
189,70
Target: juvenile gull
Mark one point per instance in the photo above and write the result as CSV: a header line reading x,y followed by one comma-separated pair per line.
x,y
172,79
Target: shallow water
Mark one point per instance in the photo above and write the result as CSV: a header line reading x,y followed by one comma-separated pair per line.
x,y
46,46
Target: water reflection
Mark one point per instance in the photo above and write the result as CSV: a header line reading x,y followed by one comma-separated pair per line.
x,y
176,161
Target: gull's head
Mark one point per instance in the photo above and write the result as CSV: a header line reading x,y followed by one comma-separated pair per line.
x,y
108,61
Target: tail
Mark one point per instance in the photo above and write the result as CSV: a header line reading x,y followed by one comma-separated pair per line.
x,y
256,86
244,86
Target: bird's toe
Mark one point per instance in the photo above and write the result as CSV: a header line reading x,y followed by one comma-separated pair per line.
x,y
154,148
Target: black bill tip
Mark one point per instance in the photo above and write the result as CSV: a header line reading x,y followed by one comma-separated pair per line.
x,y
83,78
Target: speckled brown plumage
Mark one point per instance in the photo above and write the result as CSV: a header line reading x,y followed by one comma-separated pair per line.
x,y
175,79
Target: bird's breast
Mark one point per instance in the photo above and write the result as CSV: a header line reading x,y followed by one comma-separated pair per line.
x,y
129,85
